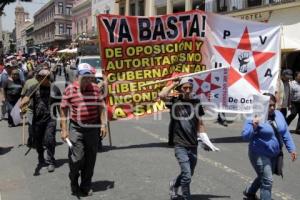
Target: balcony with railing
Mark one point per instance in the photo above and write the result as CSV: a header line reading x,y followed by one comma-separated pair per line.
x,y
225,6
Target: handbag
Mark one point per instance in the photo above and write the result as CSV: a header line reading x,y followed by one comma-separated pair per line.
x,y
278,170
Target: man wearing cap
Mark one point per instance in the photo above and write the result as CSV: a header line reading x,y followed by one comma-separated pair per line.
x,y
44,98
82,101
295,101
283,94
188,126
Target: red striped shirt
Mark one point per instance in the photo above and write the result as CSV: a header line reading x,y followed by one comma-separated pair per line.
x,y
84,106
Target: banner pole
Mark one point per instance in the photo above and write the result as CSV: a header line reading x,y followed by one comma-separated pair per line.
x,y
23,130
183,76
109,135
106,114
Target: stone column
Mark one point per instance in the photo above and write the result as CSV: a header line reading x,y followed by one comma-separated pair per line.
x,y
188,5
149,8
116,8
136,7
169,6
127,7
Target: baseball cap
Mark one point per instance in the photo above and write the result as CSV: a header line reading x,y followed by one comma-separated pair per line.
x,y
288,73
7,65
12,63
85,68
185,80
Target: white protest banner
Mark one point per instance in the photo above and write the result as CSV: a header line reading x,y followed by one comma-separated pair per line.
x,y
252,52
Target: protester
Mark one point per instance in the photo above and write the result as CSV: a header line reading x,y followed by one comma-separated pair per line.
x,y
283,93
12,87
295,101
30,65
82,100
27,67
2,104
20,70
30,83
222,119
264,148
187,128
44,98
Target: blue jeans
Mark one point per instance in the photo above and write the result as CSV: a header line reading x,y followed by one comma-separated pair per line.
x,y
187,159
263,167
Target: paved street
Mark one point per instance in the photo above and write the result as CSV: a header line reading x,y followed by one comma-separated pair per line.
x,y
139,166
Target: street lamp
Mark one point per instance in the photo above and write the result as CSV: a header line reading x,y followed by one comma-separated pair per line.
x,y
83,37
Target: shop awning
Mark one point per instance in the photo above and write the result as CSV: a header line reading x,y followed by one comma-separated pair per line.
x,y
290,40
68,51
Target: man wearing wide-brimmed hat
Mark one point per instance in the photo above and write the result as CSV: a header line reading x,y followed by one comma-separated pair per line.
x,y
44,98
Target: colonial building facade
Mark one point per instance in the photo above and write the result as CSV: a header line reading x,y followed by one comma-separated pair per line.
x,y
53,24
81,19
22,47
22,18
101,7
156,7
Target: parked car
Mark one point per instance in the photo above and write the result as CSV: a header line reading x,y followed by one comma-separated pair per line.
x,y
94,61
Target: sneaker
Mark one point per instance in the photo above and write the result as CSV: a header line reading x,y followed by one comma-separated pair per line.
x,y
250,196
51,168
225,123
11,125
173,191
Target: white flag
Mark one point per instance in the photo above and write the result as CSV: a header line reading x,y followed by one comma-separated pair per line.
x,y
211,86
251,50
16,113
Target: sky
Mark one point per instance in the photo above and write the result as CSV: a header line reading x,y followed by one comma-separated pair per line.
x,y
8,21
